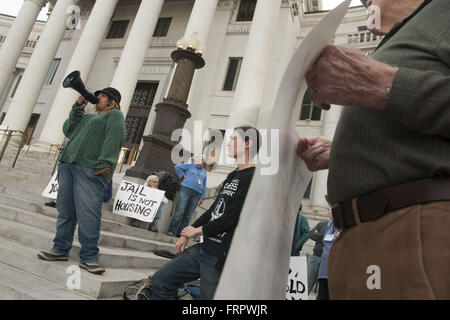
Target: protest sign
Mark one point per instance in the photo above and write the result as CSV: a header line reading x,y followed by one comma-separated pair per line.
x,y
51,191
297,286
137,201
261,245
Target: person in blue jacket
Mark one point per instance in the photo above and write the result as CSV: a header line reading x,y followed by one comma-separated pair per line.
x,y
192,193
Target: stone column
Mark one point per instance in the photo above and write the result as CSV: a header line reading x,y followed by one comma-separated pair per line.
x,y
200,22
133,55
82,59
16,38
33,79
255,65
172,113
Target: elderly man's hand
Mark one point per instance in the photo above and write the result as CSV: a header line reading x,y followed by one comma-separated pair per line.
x,y
345,76
315,152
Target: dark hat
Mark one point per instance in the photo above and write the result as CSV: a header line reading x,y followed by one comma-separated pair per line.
x,y
110,92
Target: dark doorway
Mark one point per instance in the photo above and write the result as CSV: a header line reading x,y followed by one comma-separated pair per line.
x,y
137,116
31,126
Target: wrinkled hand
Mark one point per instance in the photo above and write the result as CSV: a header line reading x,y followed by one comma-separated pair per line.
x,y
181,245
315,152
346,76
191,232
81,102
103,172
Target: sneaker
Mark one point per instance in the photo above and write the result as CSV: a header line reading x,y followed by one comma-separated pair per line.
x,y
145,292
170,234
51,204
52,256
92,267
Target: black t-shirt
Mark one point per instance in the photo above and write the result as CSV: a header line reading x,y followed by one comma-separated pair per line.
x,y
221,219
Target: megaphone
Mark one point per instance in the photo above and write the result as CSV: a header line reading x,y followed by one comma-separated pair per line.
x,y
73,80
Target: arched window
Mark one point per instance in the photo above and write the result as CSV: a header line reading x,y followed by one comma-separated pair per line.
x,y
309,111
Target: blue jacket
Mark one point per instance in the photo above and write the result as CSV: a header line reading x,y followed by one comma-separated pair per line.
x,y
193,173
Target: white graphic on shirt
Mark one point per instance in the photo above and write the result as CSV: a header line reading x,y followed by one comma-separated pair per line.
x,y
230,188
219,210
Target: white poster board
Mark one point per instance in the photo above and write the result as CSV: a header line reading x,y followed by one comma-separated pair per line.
x,y
297,285
51,191
137,201
261,246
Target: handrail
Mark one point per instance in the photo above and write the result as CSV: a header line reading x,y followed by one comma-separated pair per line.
x,y
123,151
9,134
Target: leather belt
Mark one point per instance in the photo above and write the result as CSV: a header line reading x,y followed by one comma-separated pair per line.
x,y
374,205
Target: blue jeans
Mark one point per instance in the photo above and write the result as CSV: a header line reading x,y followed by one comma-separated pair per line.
x,y
194,263
159,212
80,198
313,271
187,202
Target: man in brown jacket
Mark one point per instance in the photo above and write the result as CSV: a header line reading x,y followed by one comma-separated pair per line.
x,y
389,164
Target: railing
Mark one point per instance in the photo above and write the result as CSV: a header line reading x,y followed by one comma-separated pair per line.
x,y
132,155
7,134
59,149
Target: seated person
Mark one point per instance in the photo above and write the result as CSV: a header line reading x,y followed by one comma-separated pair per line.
x,y
206,260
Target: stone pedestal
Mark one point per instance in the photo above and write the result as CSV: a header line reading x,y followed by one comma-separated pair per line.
x,y
171,114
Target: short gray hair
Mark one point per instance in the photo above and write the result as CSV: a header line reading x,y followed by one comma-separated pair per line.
x,y
152,177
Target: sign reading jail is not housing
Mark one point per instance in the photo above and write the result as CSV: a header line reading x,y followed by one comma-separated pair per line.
x,y
137,201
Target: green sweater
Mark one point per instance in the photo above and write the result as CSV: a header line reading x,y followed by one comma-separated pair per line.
x,y
94,140
410,140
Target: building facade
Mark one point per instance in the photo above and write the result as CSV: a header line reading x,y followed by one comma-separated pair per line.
x,y
128,44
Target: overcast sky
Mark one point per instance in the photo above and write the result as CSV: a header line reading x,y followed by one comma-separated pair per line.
x,y
12,7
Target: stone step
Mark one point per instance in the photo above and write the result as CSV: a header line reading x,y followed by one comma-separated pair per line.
x,y
108,285
109,257
28,165
107,239
18,285
110,222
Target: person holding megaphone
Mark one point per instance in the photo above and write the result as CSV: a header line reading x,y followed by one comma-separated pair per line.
x,y
85,168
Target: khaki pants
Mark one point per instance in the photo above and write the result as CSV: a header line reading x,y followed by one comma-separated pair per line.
x,y
411,247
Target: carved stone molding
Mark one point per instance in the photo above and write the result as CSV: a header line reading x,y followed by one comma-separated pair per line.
x,y
226,4
86,6
238,28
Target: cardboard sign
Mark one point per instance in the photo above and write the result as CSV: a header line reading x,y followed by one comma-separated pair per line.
x,y
259,254
297,286
51,191
137,201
